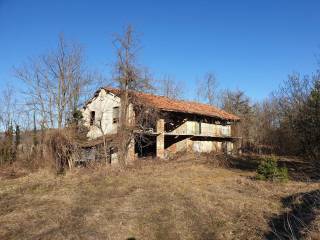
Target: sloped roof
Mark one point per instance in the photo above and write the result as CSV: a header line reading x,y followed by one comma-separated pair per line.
x,y
172,105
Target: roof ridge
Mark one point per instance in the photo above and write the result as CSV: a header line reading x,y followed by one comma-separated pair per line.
x,y
171,99
192,104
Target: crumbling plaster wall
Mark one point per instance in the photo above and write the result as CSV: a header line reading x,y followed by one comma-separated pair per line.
x,y
207,129
103,105
199,146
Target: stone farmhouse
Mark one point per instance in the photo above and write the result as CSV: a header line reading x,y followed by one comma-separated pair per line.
x,y
179,126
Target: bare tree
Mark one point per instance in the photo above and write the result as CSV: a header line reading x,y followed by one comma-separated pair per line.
x,y
238,103
8,111
130,78
170,88
208,89
293,93
296,115
8,119
55,83
284,123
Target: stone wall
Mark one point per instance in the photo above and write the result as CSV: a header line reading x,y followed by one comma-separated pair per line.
x,y
188,145
207,129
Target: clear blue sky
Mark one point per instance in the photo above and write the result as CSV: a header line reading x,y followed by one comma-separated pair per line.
x,y
250,45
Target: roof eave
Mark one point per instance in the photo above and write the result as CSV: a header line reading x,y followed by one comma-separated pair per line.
x,y
206,115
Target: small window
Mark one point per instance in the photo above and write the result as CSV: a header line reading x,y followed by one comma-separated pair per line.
x,y
92,117
115,115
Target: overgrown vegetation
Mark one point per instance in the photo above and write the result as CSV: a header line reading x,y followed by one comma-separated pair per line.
x,y
63,150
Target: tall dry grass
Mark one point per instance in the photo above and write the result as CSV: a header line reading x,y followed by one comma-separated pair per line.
x,y
181,199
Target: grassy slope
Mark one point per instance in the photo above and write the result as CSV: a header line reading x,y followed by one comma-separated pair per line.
x,y
170,200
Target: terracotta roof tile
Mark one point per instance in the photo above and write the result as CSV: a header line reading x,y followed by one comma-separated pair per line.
x,y
167,104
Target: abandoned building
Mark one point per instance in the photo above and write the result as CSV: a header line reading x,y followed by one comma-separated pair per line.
x,y
175,125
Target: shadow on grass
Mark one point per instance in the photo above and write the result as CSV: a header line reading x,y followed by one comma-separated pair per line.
x,y
244,162
302,171
298,170
296,222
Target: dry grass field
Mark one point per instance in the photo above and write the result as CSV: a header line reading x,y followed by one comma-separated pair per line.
x,y
180,199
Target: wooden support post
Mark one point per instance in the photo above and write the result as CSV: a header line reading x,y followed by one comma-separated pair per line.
x,y
160,138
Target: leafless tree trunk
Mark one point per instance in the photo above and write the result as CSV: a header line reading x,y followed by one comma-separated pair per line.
x,y
100,125
130,79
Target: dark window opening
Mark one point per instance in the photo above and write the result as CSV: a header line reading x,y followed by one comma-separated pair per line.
x,y
146,146
115,115
92,117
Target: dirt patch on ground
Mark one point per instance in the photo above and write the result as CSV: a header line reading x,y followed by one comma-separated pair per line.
x,y
187,199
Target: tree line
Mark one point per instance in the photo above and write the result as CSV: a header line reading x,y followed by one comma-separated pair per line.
x,y
286,123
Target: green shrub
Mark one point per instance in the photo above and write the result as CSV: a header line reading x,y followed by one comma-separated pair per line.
x,y
268,170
